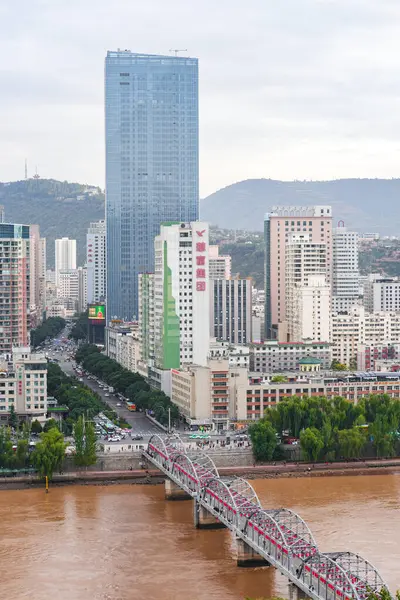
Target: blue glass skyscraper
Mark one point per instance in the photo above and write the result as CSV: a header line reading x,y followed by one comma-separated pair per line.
x,y
152,163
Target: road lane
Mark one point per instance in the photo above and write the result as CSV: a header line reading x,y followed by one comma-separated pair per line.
x,y
139,423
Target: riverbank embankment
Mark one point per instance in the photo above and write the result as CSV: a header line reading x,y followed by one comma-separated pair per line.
x,y
153,476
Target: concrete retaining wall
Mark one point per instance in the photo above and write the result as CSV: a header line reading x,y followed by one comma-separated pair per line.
x,y
124,462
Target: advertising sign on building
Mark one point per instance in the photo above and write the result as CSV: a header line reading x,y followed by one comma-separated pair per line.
x,y
97,312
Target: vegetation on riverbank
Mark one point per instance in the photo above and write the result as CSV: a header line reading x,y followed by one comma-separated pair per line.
x,y
132,385
330,429
50,328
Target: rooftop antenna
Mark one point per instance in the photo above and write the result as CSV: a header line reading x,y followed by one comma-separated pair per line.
x,y
176,50
36,175
26,169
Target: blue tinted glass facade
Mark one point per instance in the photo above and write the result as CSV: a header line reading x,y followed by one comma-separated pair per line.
x,y
152,163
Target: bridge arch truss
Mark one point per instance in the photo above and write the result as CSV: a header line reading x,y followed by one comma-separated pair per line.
x,y
280,535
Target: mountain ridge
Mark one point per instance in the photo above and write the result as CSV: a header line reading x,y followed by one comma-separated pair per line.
x,y
60,209
364,204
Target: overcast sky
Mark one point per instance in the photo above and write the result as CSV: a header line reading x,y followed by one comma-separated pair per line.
x,y
289,89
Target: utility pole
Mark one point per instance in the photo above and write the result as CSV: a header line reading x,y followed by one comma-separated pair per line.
x,y
169,420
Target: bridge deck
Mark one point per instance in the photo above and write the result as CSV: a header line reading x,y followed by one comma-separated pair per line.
x,y
280,536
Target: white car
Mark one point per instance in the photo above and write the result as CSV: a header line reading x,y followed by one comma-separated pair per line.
x,y
118,403
107,395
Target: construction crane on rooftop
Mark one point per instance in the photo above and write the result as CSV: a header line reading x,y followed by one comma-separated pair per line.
x,y
176,50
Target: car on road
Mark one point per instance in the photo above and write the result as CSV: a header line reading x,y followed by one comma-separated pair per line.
x,y
107,395
136,437
118,403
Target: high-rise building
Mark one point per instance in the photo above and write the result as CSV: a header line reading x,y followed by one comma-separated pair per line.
x,y
386,295
307,292
345,274
231,310
96,262
65,255
42,273
14,286
146,315
181,295
152,163
82,289
278,226
72,286
220,266
37,274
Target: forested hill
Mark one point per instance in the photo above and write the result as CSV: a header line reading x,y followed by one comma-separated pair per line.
x,y
60,208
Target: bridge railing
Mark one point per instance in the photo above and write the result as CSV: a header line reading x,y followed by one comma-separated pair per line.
x,y
280,535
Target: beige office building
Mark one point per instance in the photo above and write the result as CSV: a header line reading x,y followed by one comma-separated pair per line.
x,y
279,225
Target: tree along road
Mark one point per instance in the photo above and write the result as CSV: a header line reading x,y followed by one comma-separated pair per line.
x,y
137,420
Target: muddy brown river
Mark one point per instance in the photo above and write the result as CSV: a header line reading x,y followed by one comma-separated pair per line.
x,y
125,542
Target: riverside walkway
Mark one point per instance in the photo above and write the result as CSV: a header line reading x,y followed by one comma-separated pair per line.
x,y
269,537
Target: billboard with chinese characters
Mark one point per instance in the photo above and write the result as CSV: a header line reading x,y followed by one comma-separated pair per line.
x,y
97,312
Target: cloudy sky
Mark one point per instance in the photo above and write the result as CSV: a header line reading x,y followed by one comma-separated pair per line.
x,y
289,89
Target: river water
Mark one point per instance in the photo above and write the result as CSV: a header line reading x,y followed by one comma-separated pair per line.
x,y
125,542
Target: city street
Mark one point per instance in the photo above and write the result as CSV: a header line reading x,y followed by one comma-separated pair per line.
x,y
137,420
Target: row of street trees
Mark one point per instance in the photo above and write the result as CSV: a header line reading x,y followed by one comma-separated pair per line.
x,y
330,429
79,330
132,385
50,328
77,397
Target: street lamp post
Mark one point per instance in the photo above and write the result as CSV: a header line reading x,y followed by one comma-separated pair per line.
x,y
169,419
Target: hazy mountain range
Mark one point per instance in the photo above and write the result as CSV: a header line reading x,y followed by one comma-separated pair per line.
x,y
371,205
66,209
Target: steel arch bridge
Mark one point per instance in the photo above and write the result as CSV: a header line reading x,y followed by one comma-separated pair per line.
x,y
279,536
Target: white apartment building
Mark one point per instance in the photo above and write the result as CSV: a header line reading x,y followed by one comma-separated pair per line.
x,y
72,285
181,295
275,357
96,262
231,310
68,284
386,295
307,292
220,266
65,256
311,317
237,356
367,287
24,385
345,274
356,327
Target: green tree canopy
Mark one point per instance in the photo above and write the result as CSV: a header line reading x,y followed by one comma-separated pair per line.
x,y
49,453
50,328
264,440
312,443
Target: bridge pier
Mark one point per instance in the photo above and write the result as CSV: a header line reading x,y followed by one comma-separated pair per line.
x,y
247,557
203,519
174,492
